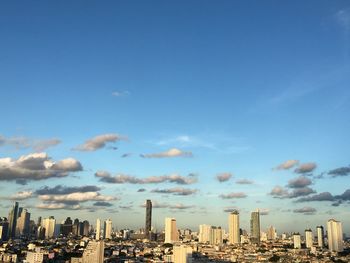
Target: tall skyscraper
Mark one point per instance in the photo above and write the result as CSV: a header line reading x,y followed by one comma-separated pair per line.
x,y
309,239
271,233
94,252
98,229
320,236
49,224
108,229
148,225
297,240
233,227
255,227
86,227
4,229
204,233
13,220
171,234
335,235
67,227
216,236
22,225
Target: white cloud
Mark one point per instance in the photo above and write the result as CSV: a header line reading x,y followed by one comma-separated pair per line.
x,y
287,165
223,177
124,178
99,142
173,152
120,93
233,195
305,168
36,166
22,142
22,195
76,197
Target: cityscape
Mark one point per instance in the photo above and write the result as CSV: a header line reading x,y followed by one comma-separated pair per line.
x,y
46,240
175,131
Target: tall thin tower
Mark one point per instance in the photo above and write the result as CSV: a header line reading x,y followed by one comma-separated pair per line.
x,y
233,226
335,236
98,229
255,227
148,218
13,220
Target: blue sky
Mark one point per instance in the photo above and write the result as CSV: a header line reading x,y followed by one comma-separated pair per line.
x,y
232,87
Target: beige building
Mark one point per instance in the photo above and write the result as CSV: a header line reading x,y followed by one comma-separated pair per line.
x,y
171,234
233,227
335,235
182,254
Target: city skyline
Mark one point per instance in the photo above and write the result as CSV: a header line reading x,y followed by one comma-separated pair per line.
x,y
202,108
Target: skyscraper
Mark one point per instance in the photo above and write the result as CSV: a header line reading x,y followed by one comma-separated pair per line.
x,y
204,233
94,252
49,225
22,225
255,227
271,233
296,240
335,235
98,229
320,236
86,227
148,218
309,239
171,234
108,229
13,220
216,235
233,227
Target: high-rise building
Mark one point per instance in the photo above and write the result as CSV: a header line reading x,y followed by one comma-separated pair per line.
x,y
233,227
204,233
94,252
12,219
297,240
182,254
76,227
271,233
171,234
255,227
67,226
320,236
22,225
216,235
98,229
4,229
309,239
335,235
108,229
148,225
49,224
85,228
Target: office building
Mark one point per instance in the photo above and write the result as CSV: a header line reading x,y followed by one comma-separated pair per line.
x,y
49,225
22,225
255,227
12,219
171,234
233,227
98,229
271,233
320,236
94,252
204,233
335,235
216,236
67,227
148,224
182,254
296,240
309,239
108,229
